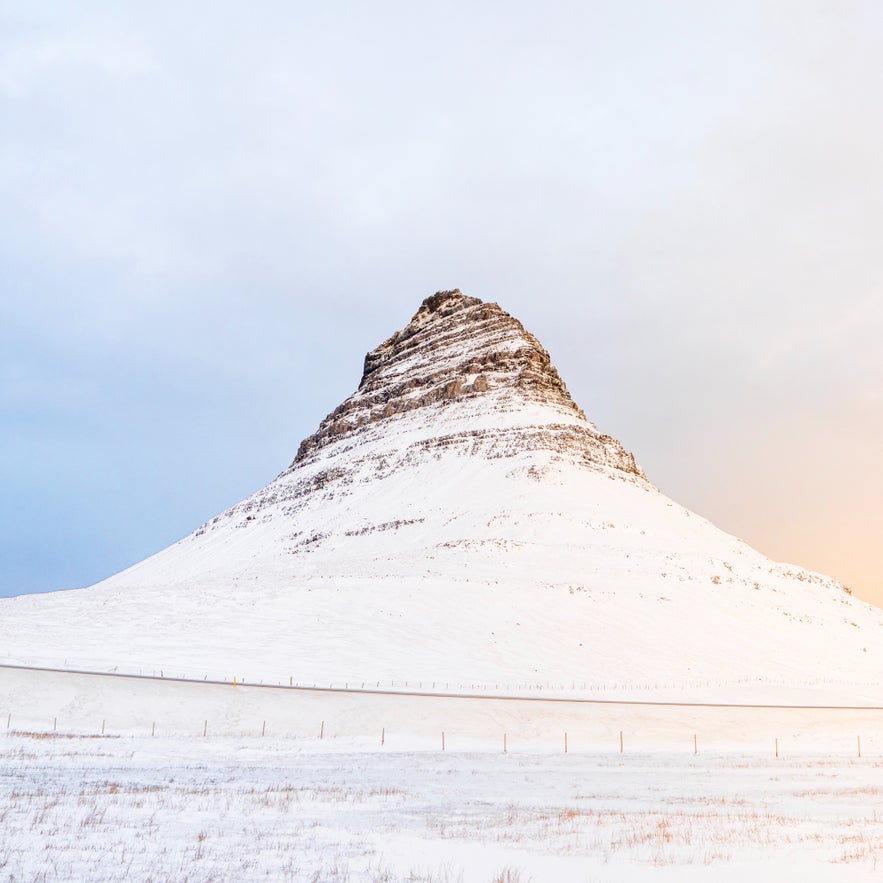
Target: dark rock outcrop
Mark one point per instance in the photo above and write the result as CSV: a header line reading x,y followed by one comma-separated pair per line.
x,y
454,348
462,378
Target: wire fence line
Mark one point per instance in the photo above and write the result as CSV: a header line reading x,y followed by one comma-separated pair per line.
x,y
382,738
46,702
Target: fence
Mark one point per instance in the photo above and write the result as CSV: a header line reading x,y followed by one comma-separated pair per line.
x,y
72,703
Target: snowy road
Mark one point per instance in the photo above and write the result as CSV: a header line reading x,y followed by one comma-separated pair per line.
x,y
444,694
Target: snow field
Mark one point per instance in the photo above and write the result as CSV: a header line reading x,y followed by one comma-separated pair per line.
x,y
225,809
81,704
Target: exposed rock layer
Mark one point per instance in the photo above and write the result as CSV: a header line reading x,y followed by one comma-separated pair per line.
x,y
456,349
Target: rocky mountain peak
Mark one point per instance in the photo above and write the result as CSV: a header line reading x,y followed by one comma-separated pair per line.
x,y
455,348
446,302
434,308
460,357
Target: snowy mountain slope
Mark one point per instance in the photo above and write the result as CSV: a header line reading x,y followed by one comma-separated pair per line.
x,y
458,520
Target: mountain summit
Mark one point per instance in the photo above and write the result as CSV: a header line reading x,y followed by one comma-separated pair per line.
x,y
458,349
458,519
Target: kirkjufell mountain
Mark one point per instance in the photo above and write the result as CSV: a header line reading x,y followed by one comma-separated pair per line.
x,y
458,520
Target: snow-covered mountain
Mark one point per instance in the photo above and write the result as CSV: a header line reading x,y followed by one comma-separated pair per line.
x,y
458,520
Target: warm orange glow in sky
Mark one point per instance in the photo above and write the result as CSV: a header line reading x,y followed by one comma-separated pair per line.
x,y
803,490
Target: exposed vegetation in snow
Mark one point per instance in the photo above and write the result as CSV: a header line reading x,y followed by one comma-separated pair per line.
x,y
116,809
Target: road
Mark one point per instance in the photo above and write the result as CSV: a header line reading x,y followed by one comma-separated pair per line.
x,y
435,694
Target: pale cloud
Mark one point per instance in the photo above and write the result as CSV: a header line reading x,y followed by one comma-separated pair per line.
x,y
34,61
223,207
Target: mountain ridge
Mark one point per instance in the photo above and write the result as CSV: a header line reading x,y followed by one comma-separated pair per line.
x,y
437,531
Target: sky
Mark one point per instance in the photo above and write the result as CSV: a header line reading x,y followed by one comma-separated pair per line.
x,y
209,212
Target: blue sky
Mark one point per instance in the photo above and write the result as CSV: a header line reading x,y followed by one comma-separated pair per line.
x,y
210,213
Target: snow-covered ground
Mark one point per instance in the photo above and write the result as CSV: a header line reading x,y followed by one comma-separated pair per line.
x,y
353,786
93,704
224,809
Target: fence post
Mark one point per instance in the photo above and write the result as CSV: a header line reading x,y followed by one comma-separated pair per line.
x,y
565,741
777,746
322,730
264,729
383,736
695,745
153,729
205,728
859,738
102,728
443,740
620,741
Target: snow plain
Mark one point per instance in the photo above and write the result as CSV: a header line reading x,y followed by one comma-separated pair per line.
x,y
328,785
229,809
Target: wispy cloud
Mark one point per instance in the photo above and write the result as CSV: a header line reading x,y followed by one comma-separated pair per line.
x,y
216,210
